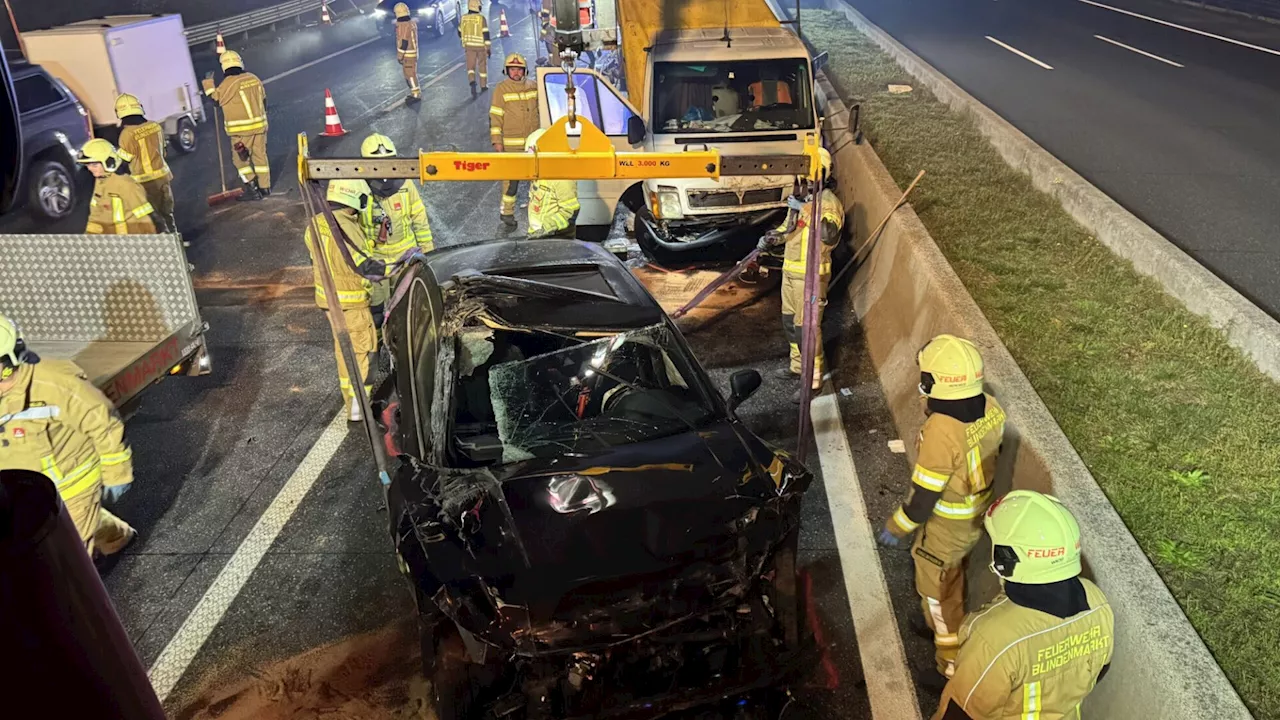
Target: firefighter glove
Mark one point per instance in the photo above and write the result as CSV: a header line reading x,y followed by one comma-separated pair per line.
x,y
767,241
372,268
795,203
886,538
242,151
113,493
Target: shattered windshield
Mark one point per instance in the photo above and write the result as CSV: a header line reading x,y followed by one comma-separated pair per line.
x,y
533,395
742,96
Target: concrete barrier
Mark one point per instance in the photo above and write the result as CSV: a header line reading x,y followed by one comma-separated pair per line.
x,y
903,294
1246,327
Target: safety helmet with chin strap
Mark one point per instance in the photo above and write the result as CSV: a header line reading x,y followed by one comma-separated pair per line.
x,y
13,350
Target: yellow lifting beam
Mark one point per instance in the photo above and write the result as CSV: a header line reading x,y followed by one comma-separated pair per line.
x,y
555,158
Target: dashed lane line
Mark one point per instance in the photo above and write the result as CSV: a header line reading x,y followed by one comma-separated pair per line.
x,y
1019,53
1184,28
884,661
199,625
1144,53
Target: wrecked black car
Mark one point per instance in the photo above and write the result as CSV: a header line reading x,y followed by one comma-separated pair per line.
x,y
588,528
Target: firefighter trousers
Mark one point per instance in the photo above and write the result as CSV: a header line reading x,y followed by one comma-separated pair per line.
x,y
256,165
940,553
160,195
793,322
363,343
510,188
478,64
98,527
410,67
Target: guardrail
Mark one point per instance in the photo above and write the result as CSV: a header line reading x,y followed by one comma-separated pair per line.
x,y
207,32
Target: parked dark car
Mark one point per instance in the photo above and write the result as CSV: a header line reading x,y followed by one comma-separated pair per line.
x,y
54,126
588,527
436,16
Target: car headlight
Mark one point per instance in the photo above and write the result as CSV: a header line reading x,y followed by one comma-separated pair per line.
x,y
379,14
668,203
426,11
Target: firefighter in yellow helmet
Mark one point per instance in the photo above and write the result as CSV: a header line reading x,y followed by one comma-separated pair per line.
x,y
1037,649
553,204
794,232
407,47
243,99
142,146
347,200
395,221
547,29
513,115
119,205
477,46
53,421
950,486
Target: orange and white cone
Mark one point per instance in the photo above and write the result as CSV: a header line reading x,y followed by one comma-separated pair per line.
x,y
503,29
219,45
324,14
332,123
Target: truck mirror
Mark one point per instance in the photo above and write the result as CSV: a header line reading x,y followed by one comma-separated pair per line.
x,y
820,61
635,130
10,138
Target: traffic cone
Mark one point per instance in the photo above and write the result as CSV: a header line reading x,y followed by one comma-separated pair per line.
x,y
220,46
503,29
324,14
332,124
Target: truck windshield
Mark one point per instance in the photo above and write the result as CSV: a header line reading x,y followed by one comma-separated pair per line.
x,y
741,96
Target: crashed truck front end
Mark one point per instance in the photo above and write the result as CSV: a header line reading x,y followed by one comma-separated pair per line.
x,y
621,570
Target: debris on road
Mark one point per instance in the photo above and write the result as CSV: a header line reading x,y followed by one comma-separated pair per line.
x,y
897,447
899,89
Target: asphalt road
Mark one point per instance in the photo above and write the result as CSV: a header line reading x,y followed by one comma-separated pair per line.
x,y
319,624
1178,127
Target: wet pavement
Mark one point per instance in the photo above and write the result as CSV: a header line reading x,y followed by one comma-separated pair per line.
x,y
317,627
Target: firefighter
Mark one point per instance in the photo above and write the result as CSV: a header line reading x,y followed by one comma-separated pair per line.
x,y
950,486
142,146
1040,647
407,47
795,234
513,116
119,205
553,204
394,222
547,29
244,114
347,200
53,421
473,28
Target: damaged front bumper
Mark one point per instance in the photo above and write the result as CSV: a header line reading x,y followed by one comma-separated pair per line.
x,y
704,240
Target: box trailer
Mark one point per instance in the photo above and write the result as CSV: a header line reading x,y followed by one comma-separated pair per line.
x,y
143,55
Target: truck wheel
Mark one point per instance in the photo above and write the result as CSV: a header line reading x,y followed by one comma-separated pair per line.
x,y
185,138
52,190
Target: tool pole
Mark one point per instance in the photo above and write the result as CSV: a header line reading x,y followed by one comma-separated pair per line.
x,y
875,234
809,340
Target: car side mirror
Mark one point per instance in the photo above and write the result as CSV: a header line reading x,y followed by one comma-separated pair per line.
x,y
635,130
742,385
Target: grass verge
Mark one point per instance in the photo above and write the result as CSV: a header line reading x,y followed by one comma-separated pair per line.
x,y
1180,430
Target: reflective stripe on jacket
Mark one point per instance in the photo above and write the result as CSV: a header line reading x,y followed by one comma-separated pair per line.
x,y
353,290
142,146
119,207
552,205
407,38
53,421
473,28
409,225
244,104
797,248
514,112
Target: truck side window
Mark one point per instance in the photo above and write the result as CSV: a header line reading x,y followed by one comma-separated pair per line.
x,y
613,112
596,102
36,92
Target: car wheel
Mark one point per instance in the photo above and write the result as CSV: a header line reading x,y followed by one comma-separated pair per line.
x,y
185,139
52,190
437,27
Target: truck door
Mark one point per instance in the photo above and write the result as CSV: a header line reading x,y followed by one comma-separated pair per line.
x,y
602,104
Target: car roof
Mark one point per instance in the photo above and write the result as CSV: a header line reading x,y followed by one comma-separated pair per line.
x,y
565,263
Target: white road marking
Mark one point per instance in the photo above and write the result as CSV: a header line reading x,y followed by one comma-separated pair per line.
x,y
1019,53
199,625
890,689
317,61
1144,53
1166,23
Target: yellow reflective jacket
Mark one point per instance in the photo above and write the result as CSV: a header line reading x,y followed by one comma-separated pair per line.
x,y
244,103
473,28
407,39
957,460
53,421
119,207
514,113
142,146
409,225
552,205
797,238
353,289
1016,663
